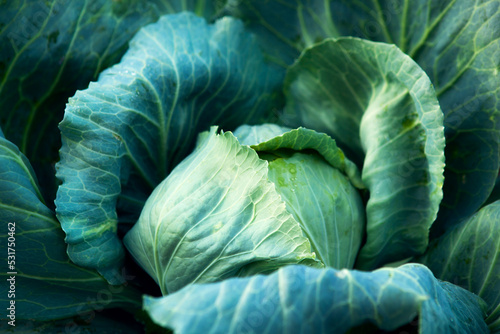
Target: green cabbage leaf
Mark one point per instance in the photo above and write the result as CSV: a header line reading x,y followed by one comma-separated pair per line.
x,y
47,285
317,183
216,216
456,43
299,299
124,134
380,104
468,255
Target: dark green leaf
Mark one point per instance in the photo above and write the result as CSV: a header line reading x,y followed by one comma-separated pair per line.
x,y
495,194
469,255
47,284
102,322
49,49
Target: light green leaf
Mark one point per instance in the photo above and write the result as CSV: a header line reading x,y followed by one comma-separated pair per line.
x,y
298,299
379,103
47,284
270,139
215,216
315,180
469,255
124,134
326,205
255,134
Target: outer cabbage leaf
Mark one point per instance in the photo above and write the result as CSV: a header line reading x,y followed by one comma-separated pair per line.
x,y
313,180
469,255
215,216
284,29
298,299
495,193
48,285
124,134
379,103
456,42
49,50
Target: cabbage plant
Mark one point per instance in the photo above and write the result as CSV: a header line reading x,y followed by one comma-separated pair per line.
x,y
250,166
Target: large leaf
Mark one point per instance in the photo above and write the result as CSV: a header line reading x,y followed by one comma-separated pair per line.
x,y
47,284
316,181
49,50
469,255
123,135
379,103
215,216
298,299
456,42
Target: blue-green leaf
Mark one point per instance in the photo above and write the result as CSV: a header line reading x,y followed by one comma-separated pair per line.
x,y
456,42
380,104
123,135
47,285
469,255
215,216
49,50
298,299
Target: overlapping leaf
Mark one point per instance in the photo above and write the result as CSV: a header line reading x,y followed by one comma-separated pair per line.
x,y
298,299
215,216
469,255
325,203
495,193
456,42
123,135
316,181
49,50
379,103
271,137
47,284
255,134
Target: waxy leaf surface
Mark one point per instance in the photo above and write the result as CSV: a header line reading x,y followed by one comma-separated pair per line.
x,y
124,134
